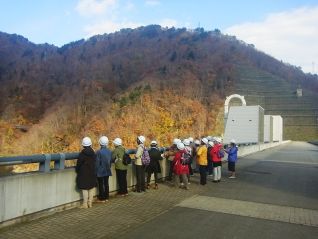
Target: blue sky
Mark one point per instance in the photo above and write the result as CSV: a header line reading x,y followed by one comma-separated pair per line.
x,y
285,29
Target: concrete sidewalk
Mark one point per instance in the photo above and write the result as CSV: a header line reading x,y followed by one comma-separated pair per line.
x,y
107,220
274,196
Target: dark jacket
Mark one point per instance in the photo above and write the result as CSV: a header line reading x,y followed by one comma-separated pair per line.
x,y
103,162
155,156
85,169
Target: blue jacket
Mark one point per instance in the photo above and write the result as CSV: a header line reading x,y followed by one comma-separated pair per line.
x,y
103,162
232,153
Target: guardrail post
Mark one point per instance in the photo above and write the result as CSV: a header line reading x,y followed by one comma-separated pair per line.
x,y
60,164
45,166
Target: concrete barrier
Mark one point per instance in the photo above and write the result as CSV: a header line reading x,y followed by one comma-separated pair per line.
x,y
27,196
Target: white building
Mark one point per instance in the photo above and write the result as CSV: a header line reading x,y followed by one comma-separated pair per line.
x,y
245,124
268,128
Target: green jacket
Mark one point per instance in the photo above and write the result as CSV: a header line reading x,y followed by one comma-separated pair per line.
x,y
117,157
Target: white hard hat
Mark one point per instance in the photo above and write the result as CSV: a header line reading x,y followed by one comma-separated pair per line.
x,y
186,142
142,139
197,142
86,141
176,141
103,141
154,142
232,141
209,138
117,141
218,139
211,143
180,146
204,140
190,139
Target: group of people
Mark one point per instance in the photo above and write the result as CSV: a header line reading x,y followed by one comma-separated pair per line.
x,y
184,158
204,156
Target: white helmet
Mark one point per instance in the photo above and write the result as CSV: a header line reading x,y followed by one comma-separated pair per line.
x,y
180,146
154,142
218,139
211,143
142,139
176,141
232,141
197,142
117,142
103,141
86,142
209,138
204,140
186,142
190,139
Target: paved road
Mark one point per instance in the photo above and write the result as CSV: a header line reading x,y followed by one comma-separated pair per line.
x,y
274,196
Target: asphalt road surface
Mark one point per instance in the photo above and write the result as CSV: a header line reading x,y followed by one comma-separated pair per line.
x,y
274,196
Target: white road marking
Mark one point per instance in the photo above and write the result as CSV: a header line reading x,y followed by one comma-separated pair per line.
x,y
292,215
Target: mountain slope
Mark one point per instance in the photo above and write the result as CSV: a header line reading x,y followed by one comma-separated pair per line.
x,y
160,82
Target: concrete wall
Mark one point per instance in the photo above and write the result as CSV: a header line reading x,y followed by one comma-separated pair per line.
x,y
23,195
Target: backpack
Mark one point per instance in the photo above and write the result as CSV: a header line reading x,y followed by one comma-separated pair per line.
x,y
126,159
145,158
221,153
185,158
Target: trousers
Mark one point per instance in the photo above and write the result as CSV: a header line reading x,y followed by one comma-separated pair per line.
x,y
121,176
103,188
140,176
88,197
217,173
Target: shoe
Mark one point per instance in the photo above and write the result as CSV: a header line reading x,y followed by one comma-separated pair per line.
x,y
189,183
182,184
100,201
219,180
90,204
148,186
83,206
210,175
232,177
214,181
156,186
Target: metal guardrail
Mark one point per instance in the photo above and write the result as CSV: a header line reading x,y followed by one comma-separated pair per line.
x,y
44,160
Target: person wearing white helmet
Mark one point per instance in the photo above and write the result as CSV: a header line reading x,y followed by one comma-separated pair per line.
x,y
103,169
121,168
232,158
86,173
180,166
191,140
188,149
202,160
210,163
169,155
217,153
154,165
139,165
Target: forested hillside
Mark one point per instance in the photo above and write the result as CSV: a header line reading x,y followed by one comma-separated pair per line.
x,y
155,81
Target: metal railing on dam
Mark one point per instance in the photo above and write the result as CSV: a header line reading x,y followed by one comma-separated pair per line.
x,y
44,160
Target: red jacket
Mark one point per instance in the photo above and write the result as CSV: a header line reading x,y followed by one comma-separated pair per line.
x,y
214,153
179,168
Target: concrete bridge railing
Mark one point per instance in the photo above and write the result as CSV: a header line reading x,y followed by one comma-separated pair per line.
x,y
29,195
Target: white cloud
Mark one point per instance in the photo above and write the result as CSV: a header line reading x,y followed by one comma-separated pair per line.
x,y
167,22
108,26
94,7
290,36
152,2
